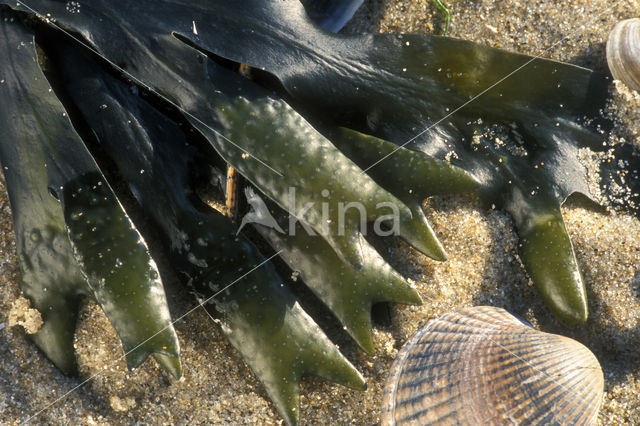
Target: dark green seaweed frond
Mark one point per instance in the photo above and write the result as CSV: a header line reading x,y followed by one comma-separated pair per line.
x,y
74,238
328,120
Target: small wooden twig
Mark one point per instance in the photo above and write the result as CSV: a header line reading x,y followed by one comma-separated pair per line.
x,y
231,193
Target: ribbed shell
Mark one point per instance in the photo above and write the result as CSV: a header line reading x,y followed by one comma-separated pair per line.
x,y
484,366
623,53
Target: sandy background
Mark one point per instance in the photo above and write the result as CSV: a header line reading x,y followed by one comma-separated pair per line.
x,y
483,269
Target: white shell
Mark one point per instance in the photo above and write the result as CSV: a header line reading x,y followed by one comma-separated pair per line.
x,y
484,366
623,53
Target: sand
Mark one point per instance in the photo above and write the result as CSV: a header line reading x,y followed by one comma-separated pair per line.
x,y
483,269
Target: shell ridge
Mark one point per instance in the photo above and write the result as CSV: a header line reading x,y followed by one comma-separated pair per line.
x,y
393,378
566,388
515,361
521,359
592,399
431,392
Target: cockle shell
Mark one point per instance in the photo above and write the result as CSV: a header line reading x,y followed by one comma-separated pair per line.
x,y
483,365
623,53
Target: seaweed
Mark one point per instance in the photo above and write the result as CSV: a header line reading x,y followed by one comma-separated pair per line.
x,y
324,121
73,236
152,156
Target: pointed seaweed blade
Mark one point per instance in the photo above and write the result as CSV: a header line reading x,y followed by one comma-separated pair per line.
x,y
548,255
75,235
348,293
409,175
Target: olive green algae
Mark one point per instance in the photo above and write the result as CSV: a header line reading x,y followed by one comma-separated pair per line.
x,y
483,268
